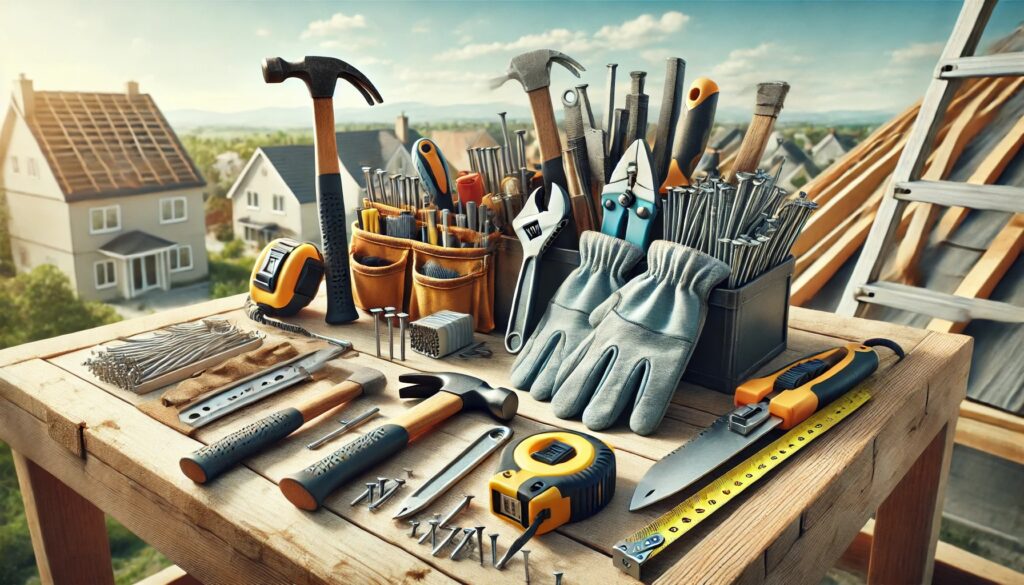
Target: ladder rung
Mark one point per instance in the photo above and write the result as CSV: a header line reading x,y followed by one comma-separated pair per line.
x,y
999,65
950,194
937,304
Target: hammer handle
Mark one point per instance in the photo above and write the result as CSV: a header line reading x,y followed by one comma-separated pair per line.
x,y
331,207
308,488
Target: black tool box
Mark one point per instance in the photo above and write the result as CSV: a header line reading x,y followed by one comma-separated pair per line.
x,y
745,327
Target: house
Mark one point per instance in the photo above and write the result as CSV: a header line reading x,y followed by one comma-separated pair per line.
x,y
830,148
453,143
99,185
797,167
275,194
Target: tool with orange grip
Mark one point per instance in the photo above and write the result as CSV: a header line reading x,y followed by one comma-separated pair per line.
x,y
802,387
435,175
694,130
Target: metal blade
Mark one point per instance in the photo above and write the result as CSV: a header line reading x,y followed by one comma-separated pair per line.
x,y
695,459
256,387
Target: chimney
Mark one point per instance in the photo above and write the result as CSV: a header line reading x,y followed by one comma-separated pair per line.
x,y
132,89
402,128
25,95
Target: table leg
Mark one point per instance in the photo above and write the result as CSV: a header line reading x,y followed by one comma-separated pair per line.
x,y
907,522
69,535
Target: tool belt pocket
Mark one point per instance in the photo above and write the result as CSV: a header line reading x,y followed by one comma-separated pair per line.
x,y
456,279
380,267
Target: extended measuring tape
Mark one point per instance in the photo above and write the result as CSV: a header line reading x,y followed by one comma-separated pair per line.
x,y
637,549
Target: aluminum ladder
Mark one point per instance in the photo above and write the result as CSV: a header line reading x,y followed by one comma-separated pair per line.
x,y
956,63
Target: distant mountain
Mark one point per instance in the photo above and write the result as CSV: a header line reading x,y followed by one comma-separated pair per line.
x,y
301,117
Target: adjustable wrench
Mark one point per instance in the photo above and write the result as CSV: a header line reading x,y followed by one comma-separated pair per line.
x,y
536,229
630,198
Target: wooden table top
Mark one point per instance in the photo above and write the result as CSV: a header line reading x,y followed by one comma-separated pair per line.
x,y
790,528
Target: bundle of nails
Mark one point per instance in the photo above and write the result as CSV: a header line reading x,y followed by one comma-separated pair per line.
x,y
750,226
141,359
436,223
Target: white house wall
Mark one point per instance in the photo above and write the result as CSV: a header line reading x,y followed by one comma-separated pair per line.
x,y
264,180
23,147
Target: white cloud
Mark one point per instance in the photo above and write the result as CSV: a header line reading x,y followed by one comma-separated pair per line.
x,y
422,26
337,23
263,32
642,31
915,51
740,61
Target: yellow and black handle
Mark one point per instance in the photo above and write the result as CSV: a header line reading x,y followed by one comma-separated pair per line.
x,y
814,381
570,474
694,131
434,173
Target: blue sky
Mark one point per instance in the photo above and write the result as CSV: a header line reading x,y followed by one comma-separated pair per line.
x,y
206,55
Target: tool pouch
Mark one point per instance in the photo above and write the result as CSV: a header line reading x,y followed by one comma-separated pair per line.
x,y
400,280
472,291
385,284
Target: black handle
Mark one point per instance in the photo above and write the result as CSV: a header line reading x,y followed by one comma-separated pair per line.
x,y
216,458
863,364
308,488
331,204
554,173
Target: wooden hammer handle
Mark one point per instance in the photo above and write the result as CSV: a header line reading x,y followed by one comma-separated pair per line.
x,y
544,122
426,415
770,97
326,143
321,403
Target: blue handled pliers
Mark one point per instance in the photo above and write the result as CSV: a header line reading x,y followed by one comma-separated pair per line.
x,y
630,198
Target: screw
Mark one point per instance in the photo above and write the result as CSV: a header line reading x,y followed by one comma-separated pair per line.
x,y
403,318
391,334
526,564
494,549
558,577
415,525
480,543
361,497
376,326
466,539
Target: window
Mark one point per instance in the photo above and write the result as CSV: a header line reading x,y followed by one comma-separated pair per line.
x,y
278,203
103,220
252,200
14,164
181,258
104,274
173,210
251,234
33,170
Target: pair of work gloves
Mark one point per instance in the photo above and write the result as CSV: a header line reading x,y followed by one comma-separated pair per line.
x,y
605,345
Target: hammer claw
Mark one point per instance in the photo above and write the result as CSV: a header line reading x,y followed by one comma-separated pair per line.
x,y
568,62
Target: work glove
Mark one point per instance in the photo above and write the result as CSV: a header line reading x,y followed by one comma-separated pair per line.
x,y
604,263
642,341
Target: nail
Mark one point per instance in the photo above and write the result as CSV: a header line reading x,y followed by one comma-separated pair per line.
x,y
415,525
526,564
494,549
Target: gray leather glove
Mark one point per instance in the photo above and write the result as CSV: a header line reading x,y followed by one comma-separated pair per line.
x,y
604,263
642,340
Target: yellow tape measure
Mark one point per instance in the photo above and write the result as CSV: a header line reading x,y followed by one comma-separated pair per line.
x,y
637,549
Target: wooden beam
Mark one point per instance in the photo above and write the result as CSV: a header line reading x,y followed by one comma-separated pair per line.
x,y
988,172
992,416
971,121
907,522
988,270
991,439
953,565
69,535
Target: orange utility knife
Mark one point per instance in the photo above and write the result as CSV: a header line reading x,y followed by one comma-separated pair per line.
x,y
802,387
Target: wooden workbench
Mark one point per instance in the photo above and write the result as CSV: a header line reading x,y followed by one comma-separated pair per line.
x,y
84,449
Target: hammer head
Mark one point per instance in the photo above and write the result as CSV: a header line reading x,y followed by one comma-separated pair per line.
x,y
533,68
320,74
476,394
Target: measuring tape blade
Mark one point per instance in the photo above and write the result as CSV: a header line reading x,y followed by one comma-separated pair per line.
x,y
632,553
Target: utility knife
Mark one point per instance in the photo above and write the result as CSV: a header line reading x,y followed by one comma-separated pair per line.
x,y
629,198
803,387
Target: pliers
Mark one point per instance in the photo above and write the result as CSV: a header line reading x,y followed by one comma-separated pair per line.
x,y
630,198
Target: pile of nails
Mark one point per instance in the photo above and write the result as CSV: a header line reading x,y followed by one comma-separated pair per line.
x,y
751,226
141,359
390,316
395,190
384,489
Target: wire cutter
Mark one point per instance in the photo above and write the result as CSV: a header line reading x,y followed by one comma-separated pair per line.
x,y
630,198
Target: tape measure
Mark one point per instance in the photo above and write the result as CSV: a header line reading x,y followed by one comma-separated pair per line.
x,y
286,276
637,549
570,474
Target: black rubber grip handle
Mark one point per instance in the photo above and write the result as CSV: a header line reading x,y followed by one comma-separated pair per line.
x,y
863,364
216,458
331,205
308,488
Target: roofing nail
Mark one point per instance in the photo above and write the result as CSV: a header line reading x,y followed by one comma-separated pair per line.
x,y
494,549
415,525
526,564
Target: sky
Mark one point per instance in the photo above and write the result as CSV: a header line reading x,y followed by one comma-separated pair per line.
x,y
206,55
